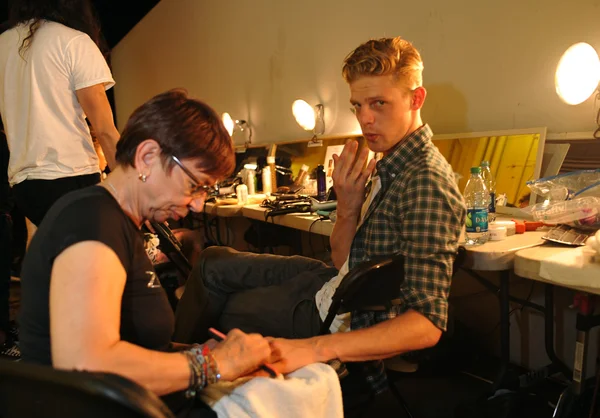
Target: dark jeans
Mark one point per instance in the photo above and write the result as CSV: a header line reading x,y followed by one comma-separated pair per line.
x,y
36,197
268,294
5,261
263,293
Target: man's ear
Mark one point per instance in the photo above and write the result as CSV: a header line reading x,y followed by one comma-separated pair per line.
x,y
146,156
418,98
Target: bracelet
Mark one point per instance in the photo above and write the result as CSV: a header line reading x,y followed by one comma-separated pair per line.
x,y
213,375
211,369
203,369
197,365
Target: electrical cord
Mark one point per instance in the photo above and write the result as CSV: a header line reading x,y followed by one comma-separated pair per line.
x,y
520,308
321,218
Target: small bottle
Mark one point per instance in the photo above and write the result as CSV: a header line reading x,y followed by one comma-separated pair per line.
x,y
242,194
250,178
266,180
330,168
271,163
321,183
490,184
301,176
477,200
329,176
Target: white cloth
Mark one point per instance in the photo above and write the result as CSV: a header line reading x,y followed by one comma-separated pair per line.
x,y
312,391
48,137
323,298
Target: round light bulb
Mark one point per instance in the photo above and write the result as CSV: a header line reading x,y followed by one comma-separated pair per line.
x,y
228,122
304,114
577,73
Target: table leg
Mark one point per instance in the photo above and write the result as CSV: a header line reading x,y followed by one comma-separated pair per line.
x,y
504,304
556,363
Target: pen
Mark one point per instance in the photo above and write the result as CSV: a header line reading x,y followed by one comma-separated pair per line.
x,y
219,336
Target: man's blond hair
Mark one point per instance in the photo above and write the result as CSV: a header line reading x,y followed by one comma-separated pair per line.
x,y
385,56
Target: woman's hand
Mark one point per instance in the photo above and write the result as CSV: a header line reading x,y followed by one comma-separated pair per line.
x,y
350,177
240,354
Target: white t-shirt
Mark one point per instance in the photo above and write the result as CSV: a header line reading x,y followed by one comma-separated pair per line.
x,y
323,298
44,123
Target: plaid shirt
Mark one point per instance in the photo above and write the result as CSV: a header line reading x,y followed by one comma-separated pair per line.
x,y
419,213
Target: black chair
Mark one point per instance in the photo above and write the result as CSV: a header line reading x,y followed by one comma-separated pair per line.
x,y
172,248
372,286
172,275
29,390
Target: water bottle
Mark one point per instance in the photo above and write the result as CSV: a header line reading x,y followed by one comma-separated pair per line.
x,y
490,184
477,201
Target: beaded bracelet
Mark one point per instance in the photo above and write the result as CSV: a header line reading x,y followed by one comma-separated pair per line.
x,y
197,374
212,375
203,369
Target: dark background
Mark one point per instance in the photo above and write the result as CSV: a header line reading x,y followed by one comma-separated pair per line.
x,y
117,17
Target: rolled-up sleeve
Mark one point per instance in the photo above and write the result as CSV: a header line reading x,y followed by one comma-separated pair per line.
x,y
433,218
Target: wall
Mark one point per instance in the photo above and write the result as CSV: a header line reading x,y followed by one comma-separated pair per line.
x,y
488,65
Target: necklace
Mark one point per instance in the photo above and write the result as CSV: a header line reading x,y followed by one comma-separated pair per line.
x,y
138,224
112,187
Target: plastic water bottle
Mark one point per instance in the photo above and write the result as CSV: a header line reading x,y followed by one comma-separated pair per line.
x,y
490,184
477,201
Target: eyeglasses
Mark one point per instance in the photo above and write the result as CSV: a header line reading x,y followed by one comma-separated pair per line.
x,y
198,189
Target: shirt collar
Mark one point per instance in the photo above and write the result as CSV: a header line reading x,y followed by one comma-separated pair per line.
x,y
405,151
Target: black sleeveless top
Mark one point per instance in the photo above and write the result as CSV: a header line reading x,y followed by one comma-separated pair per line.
x,y
92,214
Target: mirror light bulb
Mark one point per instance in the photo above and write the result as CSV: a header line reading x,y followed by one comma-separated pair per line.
x,y
304,114
228,122
577,73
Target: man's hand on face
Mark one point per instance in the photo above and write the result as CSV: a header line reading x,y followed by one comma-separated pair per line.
x,y
350,178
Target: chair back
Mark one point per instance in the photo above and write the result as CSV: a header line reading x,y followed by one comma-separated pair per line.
x,y
368,286
459,260
373,285
29,390
171,247
174,274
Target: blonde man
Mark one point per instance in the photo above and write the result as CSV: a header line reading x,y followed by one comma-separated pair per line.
x,y
413,208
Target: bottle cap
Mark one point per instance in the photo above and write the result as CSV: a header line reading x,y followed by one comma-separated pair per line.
x,y
485,163
475,170
250,166
304,167
271,160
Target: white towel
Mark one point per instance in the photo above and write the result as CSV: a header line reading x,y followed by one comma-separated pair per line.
x,y
312,391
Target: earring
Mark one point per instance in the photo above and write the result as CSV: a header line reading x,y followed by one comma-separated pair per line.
x,y
142,177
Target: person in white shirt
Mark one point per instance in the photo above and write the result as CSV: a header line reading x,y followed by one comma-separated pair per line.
x,y
53,75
